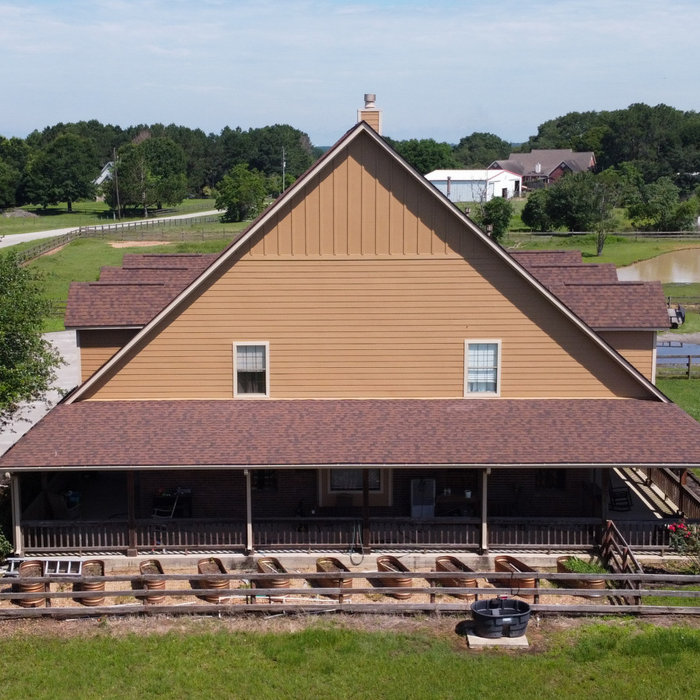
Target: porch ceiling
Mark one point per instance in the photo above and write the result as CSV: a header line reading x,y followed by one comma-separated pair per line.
x,y
422,433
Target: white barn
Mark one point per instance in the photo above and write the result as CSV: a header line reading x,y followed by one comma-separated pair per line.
x,y
476,185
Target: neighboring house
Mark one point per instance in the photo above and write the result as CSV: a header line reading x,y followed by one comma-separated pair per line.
x,y
363,366
541,167
105,174
476,185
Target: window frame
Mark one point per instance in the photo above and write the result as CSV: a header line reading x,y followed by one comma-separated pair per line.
x,y
499,362
378,489
244,395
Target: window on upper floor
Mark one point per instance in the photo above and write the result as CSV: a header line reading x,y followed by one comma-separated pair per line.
x,y
251,376
482,368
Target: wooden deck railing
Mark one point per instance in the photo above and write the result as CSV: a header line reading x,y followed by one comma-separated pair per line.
x,y
334,534
672,485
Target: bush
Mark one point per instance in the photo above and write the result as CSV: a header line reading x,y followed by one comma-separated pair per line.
x,y
579,566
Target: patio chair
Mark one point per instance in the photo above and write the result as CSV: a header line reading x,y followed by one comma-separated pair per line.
x,y
166,512
620,497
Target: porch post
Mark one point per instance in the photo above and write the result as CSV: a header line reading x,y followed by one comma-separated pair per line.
x,y
365,512
484,543
16,506
132,550
248,513
604,490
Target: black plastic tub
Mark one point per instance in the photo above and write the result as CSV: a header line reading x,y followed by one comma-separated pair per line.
x,y
500,617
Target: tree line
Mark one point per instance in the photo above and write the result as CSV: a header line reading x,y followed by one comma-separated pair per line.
x,y
648,160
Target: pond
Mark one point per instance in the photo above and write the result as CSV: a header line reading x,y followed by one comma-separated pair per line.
x,y
675,347
680,266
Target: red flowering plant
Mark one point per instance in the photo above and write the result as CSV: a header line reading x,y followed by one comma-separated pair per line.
x,y
685,539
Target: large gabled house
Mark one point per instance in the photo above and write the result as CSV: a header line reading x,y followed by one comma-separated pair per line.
x,y
362,367
541,167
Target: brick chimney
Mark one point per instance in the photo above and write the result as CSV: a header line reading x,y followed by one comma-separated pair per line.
x,y
370,113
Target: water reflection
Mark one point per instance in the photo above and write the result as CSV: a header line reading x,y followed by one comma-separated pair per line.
x,y
681,266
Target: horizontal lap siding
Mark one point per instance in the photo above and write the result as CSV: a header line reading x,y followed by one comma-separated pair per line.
x,y
366,286
97,346
365,328
637,347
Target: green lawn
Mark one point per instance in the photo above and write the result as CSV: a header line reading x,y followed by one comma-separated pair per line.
x,y
618,249
619,659
85,213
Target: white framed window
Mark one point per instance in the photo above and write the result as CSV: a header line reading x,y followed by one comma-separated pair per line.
x,y
251,376
482,367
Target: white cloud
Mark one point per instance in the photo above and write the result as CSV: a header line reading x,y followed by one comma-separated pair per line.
x,y
441,69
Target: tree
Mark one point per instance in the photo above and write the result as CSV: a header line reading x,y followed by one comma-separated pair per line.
x,y
148,174
480,149
425,155
63,171
9,182
496,215
27,361
534,213
241,193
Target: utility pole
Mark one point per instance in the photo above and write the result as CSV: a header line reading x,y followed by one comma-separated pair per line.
x,y
284,168
116,181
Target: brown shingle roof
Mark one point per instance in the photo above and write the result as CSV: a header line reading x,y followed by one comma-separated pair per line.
x,y
469,432
593,292
133,294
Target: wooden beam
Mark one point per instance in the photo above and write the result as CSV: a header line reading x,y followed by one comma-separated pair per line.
x,y
249,545
132,550
16,505
484,539
366,549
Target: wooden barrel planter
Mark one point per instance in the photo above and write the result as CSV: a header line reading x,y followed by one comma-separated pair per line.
x,y
591,583
506,563
211,567
152,567
270,565
91,568
30,569
389,563
331,565
459,568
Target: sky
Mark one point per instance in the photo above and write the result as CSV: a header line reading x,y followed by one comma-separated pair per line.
x,y
441,69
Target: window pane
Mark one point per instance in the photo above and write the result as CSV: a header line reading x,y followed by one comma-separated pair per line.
x,y
351,480
250,358
482,371
251,383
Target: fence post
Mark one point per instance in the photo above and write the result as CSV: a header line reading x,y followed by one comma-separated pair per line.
x,y
689,364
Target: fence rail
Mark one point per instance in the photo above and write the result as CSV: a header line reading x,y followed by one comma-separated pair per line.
x,y
241,592
127,230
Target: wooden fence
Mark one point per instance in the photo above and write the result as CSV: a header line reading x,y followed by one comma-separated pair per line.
x,y
243,592
128,230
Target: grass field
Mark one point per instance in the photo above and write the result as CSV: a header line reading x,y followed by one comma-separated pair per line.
x,y
619,659
85,213
618,249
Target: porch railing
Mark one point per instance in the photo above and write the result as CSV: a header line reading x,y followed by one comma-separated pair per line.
x,y
537,534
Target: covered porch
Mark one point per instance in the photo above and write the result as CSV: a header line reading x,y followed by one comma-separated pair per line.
x,y
356,510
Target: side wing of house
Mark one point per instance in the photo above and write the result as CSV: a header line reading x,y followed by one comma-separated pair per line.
x,y
364,283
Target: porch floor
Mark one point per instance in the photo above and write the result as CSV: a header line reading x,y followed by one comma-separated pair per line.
x,y
648,500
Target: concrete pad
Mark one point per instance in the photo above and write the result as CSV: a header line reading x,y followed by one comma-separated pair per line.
x,y
474,642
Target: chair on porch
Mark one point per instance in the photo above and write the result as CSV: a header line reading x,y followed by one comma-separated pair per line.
x,y
620,497
167,512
